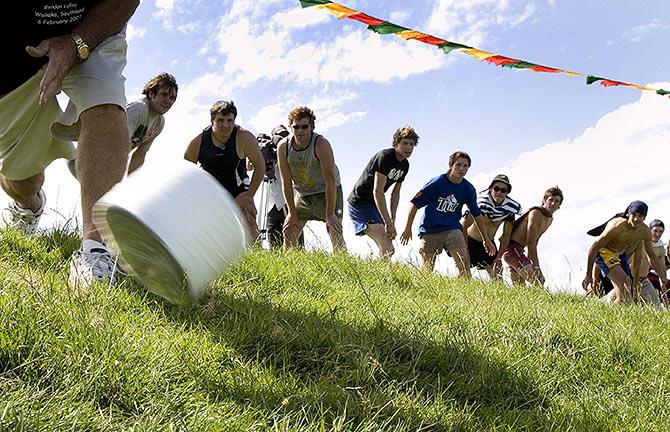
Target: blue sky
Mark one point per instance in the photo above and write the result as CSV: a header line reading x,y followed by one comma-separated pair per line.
x,y
541,129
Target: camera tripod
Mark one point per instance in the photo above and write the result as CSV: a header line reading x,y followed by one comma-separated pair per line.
x,y
269,182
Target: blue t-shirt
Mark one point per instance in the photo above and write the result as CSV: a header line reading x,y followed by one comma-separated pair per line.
x,y
444,201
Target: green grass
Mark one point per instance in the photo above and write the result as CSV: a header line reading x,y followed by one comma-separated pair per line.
x,y
295,341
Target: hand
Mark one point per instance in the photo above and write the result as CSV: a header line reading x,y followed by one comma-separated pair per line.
x,y
490,247
390,230
333,224
246,204
291,225
61,51
587,282
406,236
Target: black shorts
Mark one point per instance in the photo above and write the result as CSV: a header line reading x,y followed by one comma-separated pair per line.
x,y
478,256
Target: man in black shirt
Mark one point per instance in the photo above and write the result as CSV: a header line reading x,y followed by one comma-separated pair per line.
x,y
367,202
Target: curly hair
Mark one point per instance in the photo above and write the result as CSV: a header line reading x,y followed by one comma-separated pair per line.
x,y
163,80
406,131
301,112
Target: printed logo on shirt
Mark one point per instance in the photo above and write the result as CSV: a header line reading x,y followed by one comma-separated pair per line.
x,y
395,174
448,204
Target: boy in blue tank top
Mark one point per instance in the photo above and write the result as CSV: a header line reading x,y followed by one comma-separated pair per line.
x,y
440,227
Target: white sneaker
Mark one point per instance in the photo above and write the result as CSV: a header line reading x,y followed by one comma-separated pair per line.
x,y
22,219
92,263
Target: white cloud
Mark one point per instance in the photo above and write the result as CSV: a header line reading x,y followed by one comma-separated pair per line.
x,y
297,18
133,32
470,22
637,33
620,159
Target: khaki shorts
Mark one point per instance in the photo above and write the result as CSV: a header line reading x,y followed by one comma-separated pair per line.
x,y
31,137
434,243
313,207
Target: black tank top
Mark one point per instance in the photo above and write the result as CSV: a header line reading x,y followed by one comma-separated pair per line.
x,y
223,163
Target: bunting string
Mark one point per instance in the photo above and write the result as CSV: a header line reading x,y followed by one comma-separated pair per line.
x,y
384,27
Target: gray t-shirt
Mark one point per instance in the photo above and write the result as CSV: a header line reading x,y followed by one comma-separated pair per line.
x,y
306,168
143,128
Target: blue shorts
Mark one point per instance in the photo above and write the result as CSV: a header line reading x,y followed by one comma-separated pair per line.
x,y
621,259
363,215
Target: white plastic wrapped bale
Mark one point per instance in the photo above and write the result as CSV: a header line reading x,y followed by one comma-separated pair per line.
x,y
174,228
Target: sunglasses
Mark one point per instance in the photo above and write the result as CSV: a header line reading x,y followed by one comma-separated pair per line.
x,y
499,189
299,127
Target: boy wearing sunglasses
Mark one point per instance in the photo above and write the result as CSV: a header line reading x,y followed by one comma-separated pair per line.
x,y
307,166
498,209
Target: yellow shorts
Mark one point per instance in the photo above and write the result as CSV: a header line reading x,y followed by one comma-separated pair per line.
x,y
610,257
31,137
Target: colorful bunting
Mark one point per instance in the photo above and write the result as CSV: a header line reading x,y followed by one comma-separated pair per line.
x,y
384,27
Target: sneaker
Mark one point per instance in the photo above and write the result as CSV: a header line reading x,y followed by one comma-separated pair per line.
x,y
22,219
92,263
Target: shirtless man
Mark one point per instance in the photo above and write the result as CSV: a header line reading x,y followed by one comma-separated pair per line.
x,y
526,232
650,286
609,251
498,209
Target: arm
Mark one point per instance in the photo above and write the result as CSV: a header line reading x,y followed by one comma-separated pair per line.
x,y
106,18
657,263
380,202
533,233
248,149
137,159
604,238
325,154
193,149
504,238
407,234
286,184
395,199
488,244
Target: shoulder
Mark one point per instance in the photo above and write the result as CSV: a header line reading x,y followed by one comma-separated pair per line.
x,y
245,135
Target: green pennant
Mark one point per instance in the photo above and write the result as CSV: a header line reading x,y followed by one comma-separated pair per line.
x,y
662,92
448,47
386,28
590,79
308,3
520,65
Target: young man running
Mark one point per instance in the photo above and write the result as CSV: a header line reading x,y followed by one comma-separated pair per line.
x,y
440,227
498,209
608,251
526,233
367,204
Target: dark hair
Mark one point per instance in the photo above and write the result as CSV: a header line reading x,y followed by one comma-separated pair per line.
x,y
163,80
224,108
458,155
406,131
553,191
301,112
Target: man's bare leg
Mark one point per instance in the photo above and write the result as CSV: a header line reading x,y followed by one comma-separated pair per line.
x,y
622,285
337,240
24,192
378,234
428,260
102,153
462,261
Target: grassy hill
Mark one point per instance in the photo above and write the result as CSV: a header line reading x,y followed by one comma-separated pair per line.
x,y
295,341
